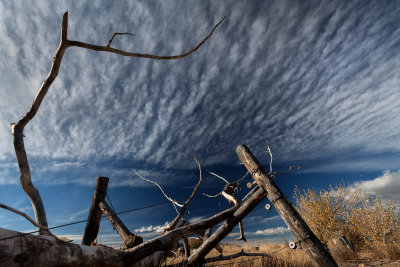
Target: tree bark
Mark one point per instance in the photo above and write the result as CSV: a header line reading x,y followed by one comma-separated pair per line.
x,y
94,217
310,243
37,251
17,249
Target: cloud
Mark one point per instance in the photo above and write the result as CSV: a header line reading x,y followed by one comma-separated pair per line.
x,y
273,231
296,77
151,228
385,186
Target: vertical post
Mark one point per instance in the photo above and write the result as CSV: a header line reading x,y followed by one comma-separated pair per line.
x,y
94,217
310,243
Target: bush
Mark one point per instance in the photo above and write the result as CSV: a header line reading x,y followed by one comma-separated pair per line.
x,y
369,223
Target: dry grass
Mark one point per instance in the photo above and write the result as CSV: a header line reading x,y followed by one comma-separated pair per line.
x,y
280,256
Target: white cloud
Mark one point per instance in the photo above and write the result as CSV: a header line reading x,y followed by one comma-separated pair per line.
x,y
273,231
151,228
386,186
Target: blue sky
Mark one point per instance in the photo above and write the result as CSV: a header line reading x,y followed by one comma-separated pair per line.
x,y
317,81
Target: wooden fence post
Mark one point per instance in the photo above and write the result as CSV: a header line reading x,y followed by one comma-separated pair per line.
x,y
94,217
130,240
310,243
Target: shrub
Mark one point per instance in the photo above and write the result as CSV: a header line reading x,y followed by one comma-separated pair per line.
x,y
369,223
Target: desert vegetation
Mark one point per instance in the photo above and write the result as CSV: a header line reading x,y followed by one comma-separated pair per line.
x,y
371,225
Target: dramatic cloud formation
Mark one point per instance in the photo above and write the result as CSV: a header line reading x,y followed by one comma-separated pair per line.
x,y
301,78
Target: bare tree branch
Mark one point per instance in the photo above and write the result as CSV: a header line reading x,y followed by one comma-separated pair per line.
x,y
241,179
130,54
23,215
18,131
288,171
118,33
229,192
18,128
186,204
174,202
204,194
271,159
3,206
220,177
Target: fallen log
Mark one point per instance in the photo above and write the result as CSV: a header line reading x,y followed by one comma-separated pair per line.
x,y
19,249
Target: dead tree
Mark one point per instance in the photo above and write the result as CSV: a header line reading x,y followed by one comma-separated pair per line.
x,y
18,127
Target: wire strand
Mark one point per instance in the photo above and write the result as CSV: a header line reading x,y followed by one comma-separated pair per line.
x,y
82,221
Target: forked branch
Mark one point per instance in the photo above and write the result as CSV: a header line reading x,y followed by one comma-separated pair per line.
x,y
18,127
118,33
107,48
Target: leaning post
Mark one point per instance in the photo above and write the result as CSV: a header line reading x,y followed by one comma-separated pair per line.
x,y
310,243
130,240
94,217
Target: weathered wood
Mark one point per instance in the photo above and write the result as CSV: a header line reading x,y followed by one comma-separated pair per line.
x,y
130,240
94,217
30,250
310,243
243,209
37,251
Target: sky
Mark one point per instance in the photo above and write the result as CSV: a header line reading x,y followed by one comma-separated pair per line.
x,y
316,81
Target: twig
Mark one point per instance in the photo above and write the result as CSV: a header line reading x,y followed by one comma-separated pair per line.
x,y
220,177
174,202
212,195
186,204
288,171
118,33
241,179
3,206
271,159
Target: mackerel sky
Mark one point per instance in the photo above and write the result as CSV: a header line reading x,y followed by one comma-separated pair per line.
x,y
317,81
